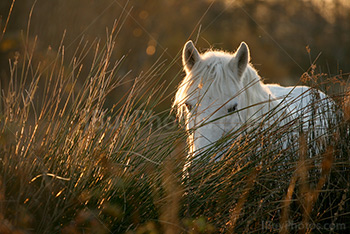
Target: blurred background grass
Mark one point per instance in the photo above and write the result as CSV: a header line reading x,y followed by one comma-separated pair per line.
x,y
279,33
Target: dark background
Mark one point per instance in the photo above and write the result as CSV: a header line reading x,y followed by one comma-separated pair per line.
x,y
285,36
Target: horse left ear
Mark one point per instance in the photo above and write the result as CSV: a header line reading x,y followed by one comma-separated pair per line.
x,y
240,61
190,56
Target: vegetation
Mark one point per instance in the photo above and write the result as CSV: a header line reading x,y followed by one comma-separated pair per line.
x,y
83,150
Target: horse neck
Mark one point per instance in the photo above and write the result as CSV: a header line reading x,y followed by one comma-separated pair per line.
x,y
258,94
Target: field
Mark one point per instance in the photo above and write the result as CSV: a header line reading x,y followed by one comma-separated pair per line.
x,y
84,148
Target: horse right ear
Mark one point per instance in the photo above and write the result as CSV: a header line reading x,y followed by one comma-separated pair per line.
x,y
190,56
240,61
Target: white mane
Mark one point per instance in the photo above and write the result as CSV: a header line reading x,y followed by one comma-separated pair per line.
x,y
211,75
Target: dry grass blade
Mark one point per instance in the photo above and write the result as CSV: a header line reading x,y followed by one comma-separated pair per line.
x,y
236,211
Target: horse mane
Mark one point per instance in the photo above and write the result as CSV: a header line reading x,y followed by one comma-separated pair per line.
x,y
214,75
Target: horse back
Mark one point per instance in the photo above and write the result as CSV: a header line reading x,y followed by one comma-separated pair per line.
x,y
306,103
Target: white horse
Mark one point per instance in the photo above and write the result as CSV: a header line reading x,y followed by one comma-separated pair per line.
x,y
222,92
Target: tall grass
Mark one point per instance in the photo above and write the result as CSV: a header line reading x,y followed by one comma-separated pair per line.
x,y
70,164
278,178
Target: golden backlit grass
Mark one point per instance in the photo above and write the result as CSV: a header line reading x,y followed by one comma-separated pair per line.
x,y
70,164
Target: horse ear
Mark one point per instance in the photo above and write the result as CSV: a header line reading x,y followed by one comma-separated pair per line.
x,y
190,56
240,61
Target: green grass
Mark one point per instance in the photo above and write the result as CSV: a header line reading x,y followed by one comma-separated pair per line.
x,y
69,164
